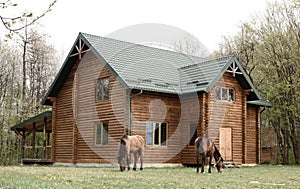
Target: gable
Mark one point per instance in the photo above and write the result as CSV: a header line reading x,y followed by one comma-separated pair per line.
x,y
147,68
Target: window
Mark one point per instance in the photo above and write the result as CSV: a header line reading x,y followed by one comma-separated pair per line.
x,y
224,94
101,133
193,133
156,133
102,89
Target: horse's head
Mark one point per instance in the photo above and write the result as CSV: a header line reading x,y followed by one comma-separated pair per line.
x,y
219,164
121,155
121,161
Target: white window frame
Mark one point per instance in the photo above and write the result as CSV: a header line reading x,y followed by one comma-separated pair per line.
x,y
102,133
153,125
220,97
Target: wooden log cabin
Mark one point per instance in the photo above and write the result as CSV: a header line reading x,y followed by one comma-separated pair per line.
x,y
107,88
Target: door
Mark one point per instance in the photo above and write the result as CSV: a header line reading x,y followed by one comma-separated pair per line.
x,y
226,143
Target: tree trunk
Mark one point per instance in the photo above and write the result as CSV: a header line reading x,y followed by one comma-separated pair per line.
x,y
295,138
24,76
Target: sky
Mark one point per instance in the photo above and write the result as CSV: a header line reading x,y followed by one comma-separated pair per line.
x,y
207,20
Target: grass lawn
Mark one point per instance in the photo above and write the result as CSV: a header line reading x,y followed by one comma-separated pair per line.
x,y
177,177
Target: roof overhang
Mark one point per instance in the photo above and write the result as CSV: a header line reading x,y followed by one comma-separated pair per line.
x,y
262,103
35,123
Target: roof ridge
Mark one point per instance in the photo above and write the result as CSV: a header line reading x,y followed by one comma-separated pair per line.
x,y
207,61
144,46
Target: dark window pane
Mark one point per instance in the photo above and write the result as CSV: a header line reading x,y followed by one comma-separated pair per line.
x,y
224,94
231,95
99,90
105,133
218,93
156,134
106,89
98,133
149,133
193,133
163,134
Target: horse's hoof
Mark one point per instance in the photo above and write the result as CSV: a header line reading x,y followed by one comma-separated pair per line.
x,y
134,169
141,169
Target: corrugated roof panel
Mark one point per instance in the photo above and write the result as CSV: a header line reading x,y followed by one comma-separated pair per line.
x,y
142,67
134,61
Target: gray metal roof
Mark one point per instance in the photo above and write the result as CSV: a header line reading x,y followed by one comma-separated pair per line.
x,y
39,119
141,67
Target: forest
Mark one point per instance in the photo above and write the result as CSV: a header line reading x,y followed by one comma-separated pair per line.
x,y
267,44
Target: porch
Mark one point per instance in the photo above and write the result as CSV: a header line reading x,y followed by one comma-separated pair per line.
x,y
35,134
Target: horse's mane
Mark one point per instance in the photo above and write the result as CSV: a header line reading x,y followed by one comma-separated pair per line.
x,y
124,137
217,154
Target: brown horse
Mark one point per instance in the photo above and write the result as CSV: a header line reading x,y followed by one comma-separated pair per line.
x,y
131,145
207,148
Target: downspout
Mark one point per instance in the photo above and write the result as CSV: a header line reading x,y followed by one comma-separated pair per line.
x,y
260,134
129,111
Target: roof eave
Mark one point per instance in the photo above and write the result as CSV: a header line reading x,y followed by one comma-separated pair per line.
x,y
46,100
261,103
70,61
102,60
32,119
224,69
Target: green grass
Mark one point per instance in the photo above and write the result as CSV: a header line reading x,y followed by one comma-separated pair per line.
x,y
176,177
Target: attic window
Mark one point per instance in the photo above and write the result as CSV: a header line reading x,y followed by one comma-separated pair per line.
x,y
102,89
224,94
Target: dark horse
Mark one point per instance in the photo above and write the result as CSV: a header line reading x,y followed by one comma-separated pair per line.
x,y
207,148
131,145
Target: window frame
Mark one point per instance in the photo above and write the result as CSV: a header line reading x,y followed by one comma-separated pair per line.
x,y
154,141
104,90
103,140
225,94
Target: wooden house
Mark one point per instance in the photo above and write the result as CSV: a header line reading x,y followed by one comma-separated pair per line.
x,y
107,88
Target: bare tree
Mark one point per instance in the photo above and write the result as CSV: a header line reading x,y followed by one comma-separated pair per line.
x,y
25,19
191,46
41,67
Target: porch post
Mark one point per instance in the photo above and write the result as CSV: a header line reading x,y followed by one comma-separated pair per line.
x,y
33,141
48,143
23,148
44,138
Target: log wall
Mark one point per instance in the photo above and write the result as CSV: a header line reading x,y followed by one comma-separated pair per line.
x,y
157,107
252,136
192,113
76,112
227,114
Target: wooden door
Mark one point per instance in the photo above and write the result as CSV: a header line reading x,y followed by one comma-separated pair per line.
x,y
226,143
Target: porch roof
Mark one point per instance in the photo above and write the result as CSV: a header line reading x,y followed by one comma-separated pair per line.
x,y
38,120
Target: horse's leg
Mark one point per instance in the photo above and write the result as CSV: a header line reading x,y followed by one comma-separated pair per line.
x,y
197,159
209,164
128,159
203,162
135,160
141,159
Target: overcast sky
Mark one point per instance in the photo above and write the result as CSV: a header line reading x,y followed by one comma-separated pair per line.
x,y
207,20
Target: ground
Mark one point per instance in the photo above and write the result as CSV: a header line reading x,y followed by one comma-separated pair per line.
x,y
265,176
